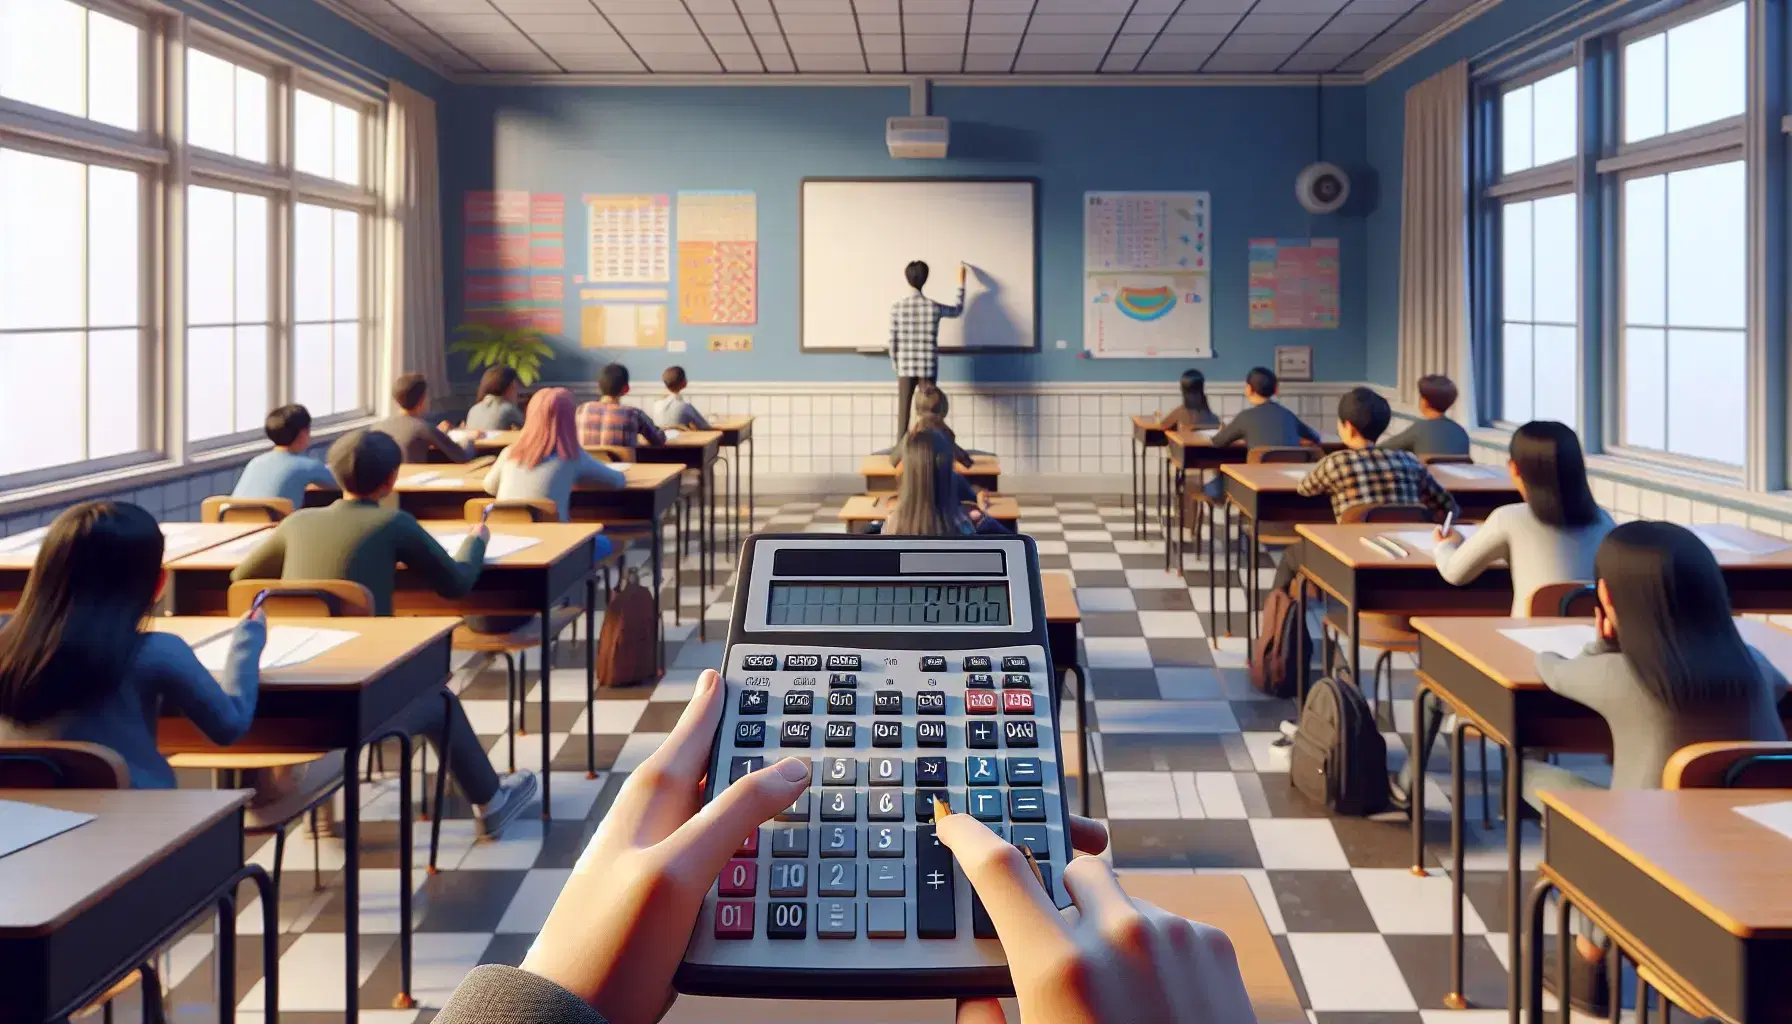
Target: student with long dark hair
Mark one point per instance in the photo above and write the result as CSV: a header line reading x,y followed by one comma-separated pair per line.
x,y
1194,413
495,406
931,496
75,663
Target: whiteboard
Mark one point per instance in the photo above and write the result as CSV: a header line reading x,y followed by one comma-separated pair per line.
x,y
858,235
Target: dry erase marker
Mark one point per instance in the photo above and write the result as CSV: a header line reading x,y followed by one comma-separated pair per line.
x,y
486,512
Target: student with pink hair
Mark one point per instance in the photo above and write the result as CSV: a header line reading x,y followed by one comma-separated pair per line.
x,y
547,462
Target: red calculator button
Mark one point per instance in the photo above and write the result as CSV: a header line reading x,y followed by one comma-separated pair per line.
x,y
1017,702
734,919
979,702
749,846
739,878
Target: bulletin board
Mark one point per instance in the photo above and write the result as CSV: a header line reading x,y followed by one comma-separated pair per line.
x,y
1147,275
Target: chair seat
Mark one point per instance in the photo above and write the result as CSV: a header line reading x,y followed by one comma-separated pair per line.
x,y
317,784
1381,632
119,988
230,761
524,637
1271,538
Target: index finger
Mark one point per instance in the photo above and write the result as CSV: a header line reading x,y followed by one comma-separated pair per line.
x,y
1017,905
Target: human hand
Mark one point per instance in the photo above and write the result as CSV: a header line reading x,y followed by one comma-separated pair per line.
x,y
479,531
1443,536
445,426
1111,958
976,515
1603,627
620,926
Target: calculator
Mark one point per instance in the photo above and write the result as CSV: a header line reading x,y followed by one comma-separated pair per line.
x,y
903,668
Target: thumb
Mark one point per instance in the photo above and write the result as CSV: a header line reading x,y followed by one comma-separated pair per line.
x,y
704,843
981,1011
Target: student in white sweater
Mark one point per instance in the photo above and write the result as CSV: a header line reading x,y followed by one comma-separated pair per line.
x,y
1550,538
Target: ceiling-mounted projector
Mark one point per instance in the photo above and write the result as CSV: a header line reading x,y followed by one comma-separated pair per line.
x,y
917,138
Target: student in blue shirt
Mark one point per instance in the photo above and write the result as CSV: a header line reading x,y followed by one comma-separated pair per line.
x,y
287,470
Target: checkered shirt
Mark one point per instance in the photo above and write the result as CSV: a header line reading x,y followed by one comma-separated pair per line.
x,y
1375,476
915,334
617,425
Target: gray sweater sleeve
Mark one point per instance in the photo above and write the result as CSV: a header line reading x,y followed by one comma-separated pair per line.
x,y
493,994
1462,562
1586,678
1405,441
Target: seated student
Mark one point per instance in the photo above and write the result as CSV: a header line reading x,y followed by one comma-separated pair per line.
x,y
286,471
495,404
1194,413
1363,474
355,539
931,496
608,422
1435,433
547,462
76,665
930,414
1667,669
620,926
676,411
1265,424
1550,538
414,434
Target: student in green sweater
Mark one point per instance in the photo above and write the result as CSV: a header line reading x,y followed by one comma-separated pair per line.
x,y
355,539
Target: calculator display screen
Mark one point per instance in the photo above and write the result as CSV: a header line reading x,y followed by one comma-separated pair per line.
x,y
889,604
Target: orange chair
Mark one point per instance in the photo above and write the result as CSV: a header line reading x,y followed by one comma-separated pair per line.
x,y
1446,460
1571,600
224,509
512,510
288,599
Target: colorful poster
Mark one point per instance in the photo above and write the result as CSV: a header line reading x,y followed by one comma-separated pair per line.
x,y
1147,275
1294,283
622,317
731,343
629,239
513,259
718,258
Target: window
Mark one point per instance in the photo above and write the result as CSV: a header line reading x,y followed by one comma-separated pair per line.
x,y
1689,75
227,312
61,56
1537,123
1539,357
327,333
326,138
227,107
71,312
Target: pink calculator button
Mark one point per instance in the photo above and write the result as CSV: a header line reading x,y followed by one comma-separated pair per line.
x,y
734,919
979,702
1017,702
739,878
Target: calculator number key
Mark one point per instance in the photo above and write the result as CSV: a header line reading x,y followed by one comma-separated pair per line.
x,y
930,702
734,919
839,805
794,734
885,841
1017,702
886,805
799,702
750,734
932,734
839,841
798,809
790,842
739,878
884,879
839,771
837,878
787,920
1020,734
887,771
741,767
790,878
754,702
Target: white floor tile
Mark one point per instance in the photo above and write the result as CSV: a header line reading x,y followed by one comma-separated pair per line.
x,y
1350,972
1189,684
1405,904
515,850
1298,844
1220,797
574,794
439,960
311,971
1262,759
1117,652
1052,547
1181,716
1105,599
1137,795
1094,560
528,909
1153,579
1188,798
1171,625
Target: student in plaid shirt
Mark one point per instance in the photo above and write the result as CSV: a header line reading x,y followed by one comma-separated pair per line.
x,y
915,339
608,422
1363,474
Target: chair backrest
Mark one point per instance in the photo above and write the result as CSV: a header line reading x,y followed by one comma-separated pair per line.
x,y
1446,460
1739,765
1572,599
1387,514
288,599
610,453
512,510
54,764
1301,453
221,508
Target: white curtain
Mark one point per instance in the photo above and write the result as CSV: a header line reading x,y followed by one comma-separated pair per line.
x,y
413,330
1434,334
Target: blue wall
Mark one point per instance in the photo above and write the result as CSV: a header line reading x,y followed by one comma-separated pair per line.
x,y
313,26
1244,145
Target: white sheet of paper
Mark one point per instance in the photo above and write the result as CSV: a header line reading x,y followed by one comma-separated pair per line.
x,y
1296,474
23,824
1207,434
672,433
445,482
619,466
1461,472
286,646
1776,816
502,545
25,544
1424,540
240,547
1567,641
1723,539
180,539
421,478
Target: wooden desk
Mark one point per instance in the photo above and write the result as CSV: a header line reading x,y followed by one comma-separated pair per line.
x,y
737,433
1147,433
345,698
1684,885
1225,902
880,476
861,510
694,449
180,540
1491,681
491,442
1062,616
81,910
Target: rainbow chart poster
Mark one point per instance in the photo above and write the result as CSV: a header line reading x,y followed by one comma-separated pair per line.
x,y
1147,275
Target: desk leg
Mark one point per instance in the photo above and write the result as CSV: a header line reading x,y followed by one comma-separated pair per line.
x,y
1250,570
1138,485
1305,656
547,703
351,879
591,676
226,965
1415,795
403,1000
657,547
1227,577
1082,734
1531,972
751,520
1356,648
1514,839
1454,999
1168,558
706,546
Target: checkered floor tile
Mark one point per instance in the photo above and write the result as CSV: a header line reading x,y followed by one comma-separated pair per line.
x,y
1185,779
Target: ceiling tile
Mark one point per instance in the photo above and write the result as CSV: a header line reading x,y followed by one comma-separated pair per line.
x,y
754,6
777,64
1005,44
829,62
1062,63
1336,44
668,44
1076,24
1079,6
1361,23
1171,63
1151,23
804,46
554,24
488,21
942,63
455,62
981,22
720,23
879,24
933,45
629,24
1309,63
584,42
1216,6
475,44
447,6
1156,6
882,44
1282,24
813,6
517,62
1120,62
701,7
986,63
1177,43
933,24
1298,7
884,63
770,42
725,45
1360,63
1038,44
542,6
889,8
818,24
763,23
1280,45
1202,23
1427,17
602,63
682,63
1379,6
1021,7
1241,63
1133,43
747,63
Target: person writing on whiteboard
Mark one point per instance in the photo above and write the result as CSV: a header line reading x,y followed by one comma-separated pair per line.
x,y
915,339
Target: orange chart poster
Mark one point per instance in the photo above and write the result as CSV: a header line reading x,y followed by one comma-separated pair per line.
x,y
628,239
718,257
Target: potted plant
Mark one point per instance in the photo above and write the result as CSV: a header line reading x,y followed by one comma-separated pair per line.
x,y
520,348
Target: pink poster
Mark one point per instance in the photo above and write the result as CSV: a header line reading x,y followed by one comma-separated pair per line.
x,y
1294,283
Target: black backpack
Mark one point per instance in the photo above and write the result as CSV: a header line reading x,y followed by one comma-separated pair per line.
x,y
1340,758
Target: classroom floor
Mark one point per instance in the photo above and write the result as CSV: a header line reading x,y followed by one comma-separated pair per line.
x,y
1185,784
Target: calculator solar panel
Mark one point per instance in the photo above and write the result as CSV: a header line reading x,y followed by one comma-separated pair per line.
x,y
902,668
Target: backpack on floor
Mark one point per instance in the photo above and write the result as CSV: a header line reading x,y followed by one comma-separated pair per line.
x,y
628,644
1340,758
1282,645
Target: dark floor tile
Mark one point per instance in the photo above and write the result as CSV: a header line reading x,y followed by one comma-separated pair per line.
x,y
467,901
1054,562
1386,842
1261,715
1112,624
571,757
1425,962
1180,652
1163,600
1287,802
1286,948
1088,547
1124,683
1486,892
1138,752
1198,844
1321,901
199,987
660,716
508,950
1153,560
1099,578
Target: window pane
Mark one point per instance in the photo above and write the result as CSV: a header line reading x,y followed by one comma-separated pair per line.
x,y
347,163
251,259
1645,88
313,131
1707,62
1556,370
1555,112
211,92
311,262
1554,288
40,53
1704,364
209,389
1708,247
40,241
114,249
345,266
1515,261
50,417
347,367
211,242
252,403
1645,388
114,391
1645,250
311,366
1515,130
113,53
1515,383
252,115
